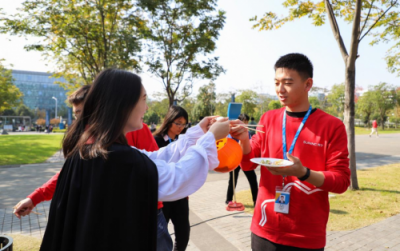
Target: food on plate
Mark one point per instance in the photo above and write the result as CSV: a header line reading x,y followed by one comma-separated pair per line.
x,y
265,161
278,162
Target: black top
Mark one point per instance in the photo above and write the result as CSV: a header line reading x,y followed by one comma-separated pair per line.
x,y
299,114
104,204
161,142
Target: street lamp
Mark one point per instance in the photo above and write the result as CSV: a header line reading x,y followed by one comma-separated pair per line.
x,y
56,104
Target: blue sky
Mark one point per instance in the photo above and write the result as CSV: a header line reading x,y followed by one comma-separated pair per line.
x,y
249,55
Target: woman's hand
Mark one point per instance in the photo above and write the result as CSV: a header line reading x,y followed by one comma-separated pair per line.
x,y
24,207
206,122
220,129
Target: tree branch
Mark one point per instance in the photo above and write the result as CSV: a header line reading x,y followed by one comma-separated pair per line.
x,y
335,29
383,14
366,19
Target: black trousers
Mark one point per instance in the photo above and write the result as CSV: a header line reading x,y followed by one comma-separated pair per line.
x,y
261,244
178,212
251,177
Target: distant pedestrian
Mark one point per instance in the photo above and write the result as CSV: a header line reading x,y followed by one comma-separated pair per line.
x,y
374,129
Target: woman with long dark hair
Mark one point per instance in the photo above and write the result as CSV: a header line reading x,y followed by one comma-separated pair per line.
x,y
107,192
175,123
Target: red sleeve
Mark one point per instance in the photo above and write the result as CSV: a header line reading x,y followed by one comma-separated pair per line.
x,y
255,144
142,139
45,192
337,176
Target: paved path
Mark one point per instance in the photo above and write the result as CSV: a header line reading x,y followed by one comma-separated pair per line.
x,y
213,228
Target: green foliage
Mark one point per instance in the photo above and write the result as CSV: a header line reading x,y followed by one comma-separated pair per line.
x,y
9,112
384,99
151,117
249,100
158,107
335,100
205,102
274,104
314,102
188,104
10,95
366,107
82,37
180,32
221,104
23,110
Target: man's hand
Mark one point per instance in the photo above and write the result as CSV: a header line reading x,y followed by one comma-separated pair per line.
x,y
297,169
238,131
24,207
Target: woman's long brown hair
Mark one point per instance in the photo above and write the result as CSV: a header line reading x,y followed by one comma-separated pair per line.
x,y
107,107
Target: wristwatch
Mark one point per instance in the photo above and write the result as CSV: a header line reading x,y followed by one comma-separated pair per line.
x,y
306,176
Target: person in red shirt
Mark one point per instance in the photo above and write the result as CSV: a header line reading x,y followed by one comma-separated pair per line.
x,y
46,191
374,129
316,143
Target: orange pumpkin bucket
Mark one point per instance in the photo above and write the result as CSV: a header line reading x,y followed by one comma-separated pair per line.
x,y
229,155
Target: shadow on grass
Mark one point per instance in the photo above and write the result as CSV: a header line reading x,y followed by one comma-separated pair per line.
x,y
380,190
335,211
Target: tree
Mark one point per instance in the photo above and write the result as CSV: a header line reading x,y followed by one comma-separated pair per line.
x,y
151,118
82,37
366,107
10,95
384,99
204,105
314,102
9,112
159,107
249,100
23,110
181,32
335,100
365,16
41,122
55,121
221,104
188,104
274,104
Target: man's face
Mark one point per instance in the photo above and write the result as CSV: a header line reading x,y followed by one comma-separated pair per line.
x,y
291,88
77,110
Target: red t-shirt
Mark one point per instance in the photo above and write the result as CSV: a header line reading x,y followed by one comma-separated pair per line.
x,y
321,146
374,124
141,139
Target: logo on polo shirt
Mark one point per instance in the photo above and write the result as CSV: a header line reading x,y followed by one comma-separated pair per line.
x,y
313,143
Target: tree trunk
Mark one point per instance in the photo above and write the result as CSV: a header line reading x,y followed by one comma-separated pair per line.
x,y
349,112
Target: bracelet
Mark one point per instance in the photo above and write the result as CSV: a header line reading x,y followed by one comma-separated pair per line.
x,y
306,176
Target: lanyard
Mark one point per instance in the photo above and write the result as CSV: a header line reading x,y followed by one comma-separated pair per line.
x,y
295,137
169,139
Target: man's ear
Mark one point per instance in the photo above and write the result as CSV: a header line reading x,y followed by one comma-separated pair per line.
x,y
309,84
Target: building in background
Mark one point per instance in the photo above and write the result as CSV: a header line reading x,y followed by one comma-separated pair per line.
x,y
39,89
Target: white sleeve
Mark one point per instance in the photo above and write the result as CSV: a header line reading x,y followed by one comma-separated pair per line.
x,y
181,179
173,151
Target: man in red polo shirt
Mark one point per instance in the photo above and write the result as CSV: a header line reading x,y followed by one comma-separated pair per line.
x,y
316,143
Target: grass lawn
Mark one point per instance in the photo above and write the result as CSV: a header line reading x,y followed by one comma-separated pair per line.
x,y
378,199
25,243
28,149
363,131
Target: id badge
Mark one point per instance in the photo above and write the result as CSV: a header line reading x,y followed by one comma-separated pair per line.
x,y
282,200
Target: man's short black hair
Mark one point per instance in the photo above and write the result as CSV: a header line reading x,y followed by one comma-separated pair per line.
x,y
297,62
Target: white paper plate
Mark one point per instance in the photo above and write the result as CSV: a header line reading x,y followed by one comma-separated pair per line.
x,y
261,161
